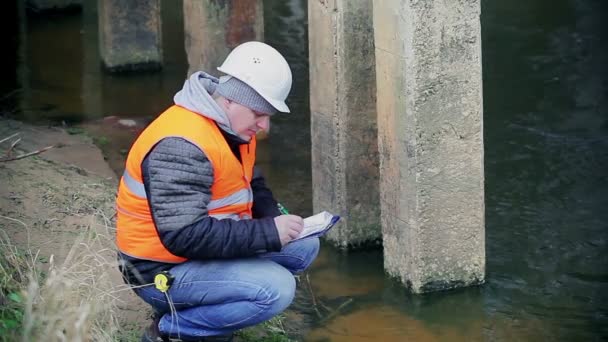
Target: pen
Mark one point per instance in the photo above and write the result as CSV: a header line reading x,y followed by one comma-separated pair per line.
x,y
282,209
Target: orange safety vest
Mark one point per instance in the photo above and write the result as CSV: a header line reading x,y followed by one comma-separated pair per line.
x,y
231,195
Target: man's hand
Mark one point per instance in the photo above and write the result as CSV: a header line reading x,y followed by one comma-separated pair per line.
x,y
289,227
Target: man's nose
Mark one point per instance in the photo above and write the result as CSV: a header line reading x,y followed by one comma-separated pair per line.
x,y
264,123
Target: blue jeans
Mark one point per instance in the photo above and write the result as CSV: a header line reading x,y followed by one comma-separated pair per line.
x,y
217,297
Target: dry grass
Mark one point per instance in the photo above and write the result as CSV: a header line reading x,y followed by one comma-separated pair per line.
x,y
12,266
74,299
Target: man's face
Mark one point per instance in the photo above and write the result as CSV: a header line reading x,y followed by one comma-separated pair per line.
x,y
246,122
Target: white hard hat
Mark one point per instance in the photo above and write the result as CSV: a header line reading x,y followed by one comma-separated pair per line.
x,y
262,68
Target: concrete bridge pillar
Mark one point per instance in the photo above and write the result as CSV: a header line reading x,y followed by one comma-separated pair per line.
x,y
343,122
430,132
130,34
214,27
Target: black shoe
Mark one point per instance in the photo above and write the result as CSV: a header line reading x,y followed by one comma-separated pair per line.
x,y
217,338
152,334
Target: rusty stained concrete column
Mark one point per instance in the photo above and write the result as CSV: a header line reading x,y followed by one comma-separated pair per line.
x,y
214,27
343,123
430,132
130,35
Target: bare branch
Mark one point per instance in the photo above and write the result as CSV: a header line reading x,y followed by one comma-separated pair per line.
x,y
21,156
9,137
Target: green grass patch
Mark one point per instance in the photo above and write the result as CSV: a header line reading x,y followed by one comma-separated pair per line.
x,y
75,130
101,141
12,270
269,331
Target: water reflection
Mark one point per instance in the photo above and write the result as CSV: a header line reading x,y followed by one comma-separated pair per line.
x,y
52,85
359,274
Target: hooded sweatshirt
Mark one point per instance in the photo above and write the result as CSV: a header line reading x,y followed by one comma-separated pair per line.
x,y
178,177
196,97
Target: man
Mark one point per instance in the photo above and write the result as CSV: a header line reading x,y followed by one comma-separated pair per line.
x,y
192,210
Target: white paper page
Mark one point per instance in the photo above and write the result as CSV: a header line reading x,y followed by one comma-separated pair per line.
x,y
315,223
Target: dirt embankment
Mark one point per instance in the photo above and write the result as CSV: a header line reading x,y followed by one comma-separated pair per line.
x,y
49,201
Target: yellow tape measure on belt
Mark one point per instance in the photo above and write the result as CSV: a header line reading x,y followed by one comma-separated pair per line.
x,y
163,281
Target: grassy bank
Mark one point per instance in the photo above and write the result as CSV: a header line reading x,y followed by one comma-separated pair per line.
x,y
11,297
75,300
59,279
51,300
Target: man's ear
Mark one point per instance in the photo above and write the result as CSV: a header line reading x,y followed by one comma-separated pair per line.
x,y
224,103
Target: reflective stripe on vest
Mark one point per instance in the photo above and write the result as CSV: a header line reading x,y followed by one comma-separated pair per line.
x,y
230,216
134,186
239,197
242,196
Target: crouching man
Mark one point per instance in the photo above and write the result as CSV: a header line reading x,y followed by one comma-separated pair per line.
x,y
194,212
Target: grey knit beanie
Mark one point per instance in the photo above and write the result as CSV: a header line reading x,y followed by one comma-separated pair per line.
x,y
236,90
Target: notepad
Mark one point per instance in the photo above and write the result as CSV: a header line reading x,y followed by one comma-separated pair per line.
x,y
317,225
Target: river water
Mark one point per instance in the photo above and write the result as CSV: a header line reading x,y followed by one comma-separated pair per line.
x,y
546,153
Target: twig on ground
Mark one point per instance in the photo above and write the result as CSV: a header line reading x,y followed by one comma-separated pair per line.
x,y
27,228
9,137
14,220
10,93
9,152
21,156
325,307
337,311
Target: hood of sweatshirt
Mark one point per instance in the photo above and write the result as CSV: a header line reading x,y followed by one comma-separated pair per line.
x,y
196,96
